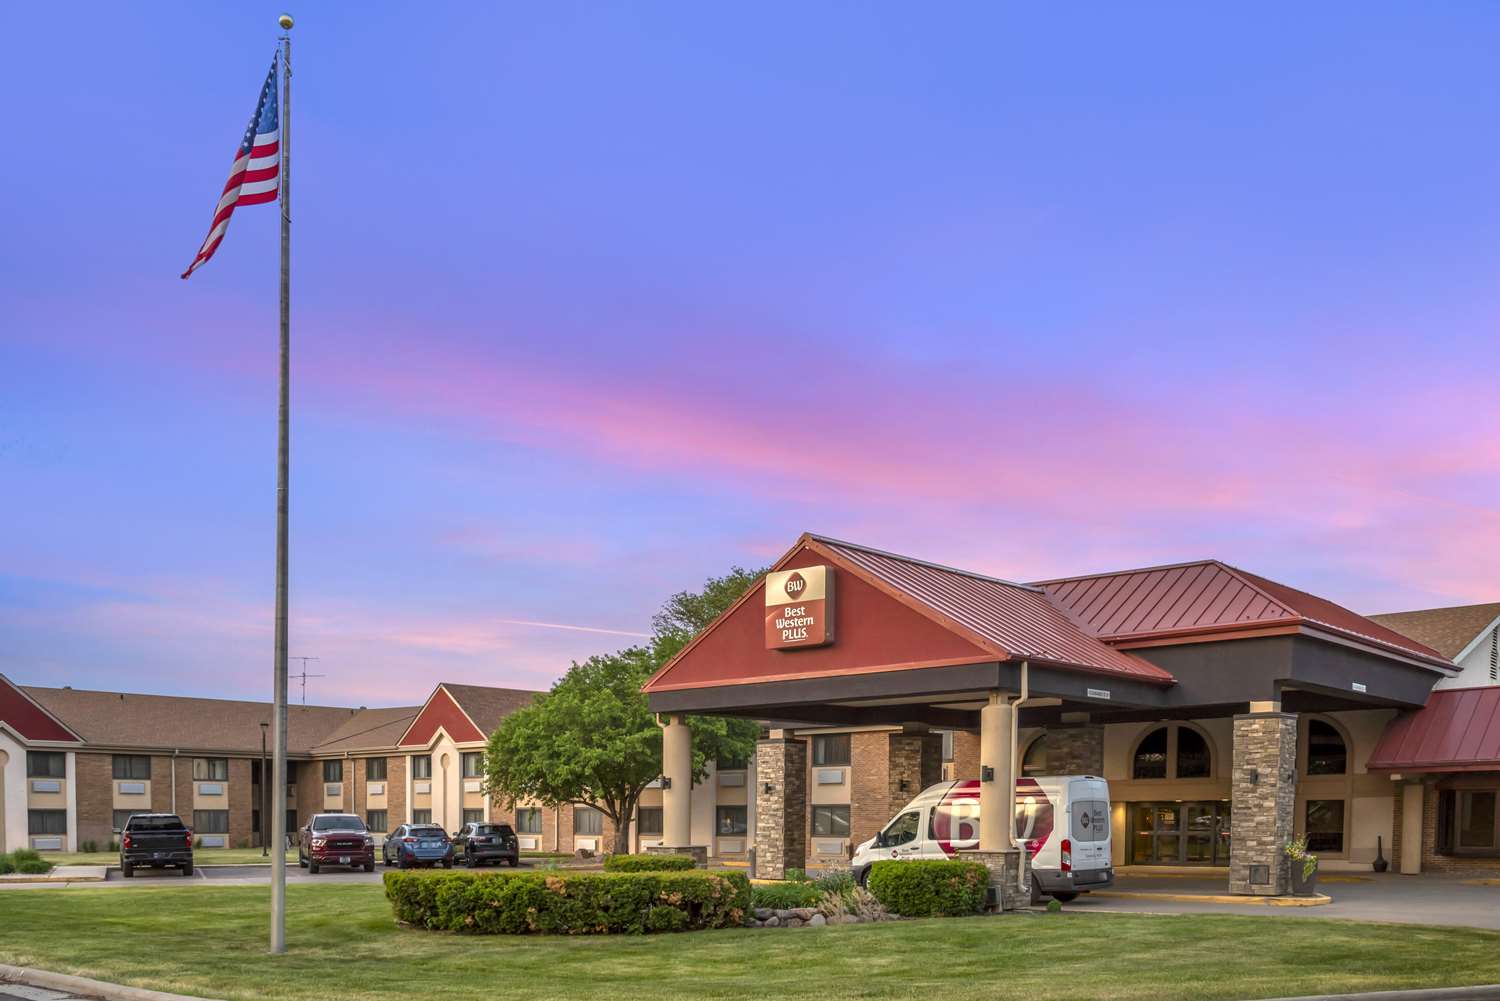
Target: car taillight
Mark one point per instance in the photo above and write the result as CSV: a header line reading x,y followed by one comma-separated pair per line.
x,y
1067,855
408,841
190,839
127,841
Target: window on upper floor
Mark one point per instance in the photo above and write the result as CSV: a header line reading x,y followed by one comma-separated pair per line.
x,y
46,765
1326,751
132,766
1151,756
1034,761
473,764
333,771
210,769
830,749
375,769
421,766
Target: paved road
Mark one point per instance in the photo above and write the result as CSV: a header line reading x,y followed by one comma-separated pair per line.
x,y
1429,900
228,875
18,992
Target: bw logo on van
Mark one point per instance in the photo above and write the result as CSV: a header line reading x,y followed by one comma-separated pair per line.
x,y
799,608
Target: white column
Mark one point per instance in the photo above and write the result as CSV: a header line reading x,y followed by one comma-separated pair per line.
x,y
71,768
677,797
1411,829
996,795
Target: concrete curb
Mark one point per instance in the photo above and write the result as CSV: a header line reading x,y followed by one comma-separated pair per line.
x,y
1215,898
85,986
1486,992
59,874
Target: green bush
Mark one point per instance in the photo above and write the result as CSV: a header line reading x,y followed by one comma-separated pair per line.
x,y
786,895
33,867
569,903
6,865
923,888
25,855
649,863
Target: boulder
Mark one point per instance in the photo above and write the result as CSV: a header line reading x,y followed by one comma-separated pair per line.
x,y
771,922
794,922
805,913
761,913
817,921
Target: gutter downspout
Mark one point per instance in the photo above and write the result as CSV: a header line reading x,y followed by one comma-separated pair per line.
x,y
1015,767
175,752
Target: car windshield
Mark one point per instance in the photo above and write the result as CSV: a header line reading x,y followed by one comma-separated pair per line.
x,y
491,829
427,832
165,822
338,822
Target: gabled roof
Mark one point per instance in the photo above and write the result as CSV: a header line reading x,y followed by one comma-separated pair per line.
x,y
1015,621
24,715
166,722
1191,600
1458,730
1449,631
467,713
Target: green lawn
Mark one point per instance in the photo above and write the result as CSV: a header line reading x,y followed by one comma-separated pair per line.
x,y
344,944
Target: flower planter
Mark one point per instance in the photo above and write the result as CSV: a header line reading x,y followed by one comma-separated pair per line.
x,y
1303,886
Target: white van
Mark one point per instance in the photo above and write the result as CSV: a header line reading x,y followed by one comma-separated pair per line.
x,y
1062,819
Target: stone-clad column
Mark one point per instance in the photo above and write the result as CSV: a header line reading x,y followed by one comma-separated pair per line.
x,y
1075,750
1265,798
780,806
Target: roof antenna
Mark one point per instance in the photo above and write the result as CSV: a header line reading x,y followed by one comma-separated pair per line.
x,y
304,675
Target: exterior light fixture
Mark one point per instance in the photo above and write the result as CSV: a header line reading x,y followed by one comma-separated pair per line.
x,y
666,782
986,773
767,788
905,785
1252,775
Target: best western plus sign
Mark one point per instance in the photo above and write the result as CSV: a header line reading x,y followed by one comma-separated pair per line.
x,y
799,608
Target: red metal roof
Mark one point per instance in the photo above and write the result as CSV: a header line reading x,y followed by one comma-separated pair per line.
x,y
1207,596
1458,730
1016,618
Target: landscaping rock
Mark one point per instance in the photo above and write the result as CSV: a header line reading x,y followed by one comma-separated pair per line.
x,y
817,921
804,913
771,922
761,913
785,914
794,922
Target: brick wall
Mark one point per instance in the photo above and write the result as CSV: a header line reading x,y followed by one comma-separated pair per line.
x,y
869,785
395,789
1075,750
241,801
309,790
93,779
184,787
965,755
781,814
161,784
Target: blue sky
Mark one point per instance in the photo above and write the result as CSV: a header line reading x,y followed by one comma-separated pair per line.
x,y
594,301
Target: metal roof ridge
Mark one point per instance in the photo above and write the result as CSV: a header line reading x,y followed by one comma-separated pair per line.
x,y
830,541
1040,584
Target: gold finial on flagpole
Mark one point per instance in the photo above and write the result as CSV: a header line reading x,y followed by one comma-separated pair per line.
x,y
285,21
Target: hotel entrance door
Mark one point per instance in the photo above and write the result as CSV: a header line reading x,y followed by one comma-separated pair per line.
x,y
1179,833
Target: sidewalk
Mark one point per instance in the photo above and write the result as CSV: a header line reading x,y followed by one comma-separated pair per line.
x,y
60,874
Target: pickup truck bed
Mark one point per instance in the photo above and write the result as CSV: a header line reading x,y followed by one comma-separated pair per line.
x,y
157,841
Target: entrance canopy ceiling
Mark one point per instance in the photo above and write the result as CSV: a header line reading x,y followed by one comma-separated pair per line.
x,y
908,641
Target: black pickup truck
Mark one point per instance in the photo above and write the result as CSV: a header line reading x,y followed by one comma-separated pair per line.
x,y
157,841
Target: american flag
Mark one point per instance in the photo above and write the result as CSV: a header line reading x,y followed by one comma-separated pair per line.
x,y
255,177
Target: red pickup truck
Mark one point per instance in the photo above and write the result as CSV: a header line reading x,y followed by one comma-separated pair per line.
x,y
336,839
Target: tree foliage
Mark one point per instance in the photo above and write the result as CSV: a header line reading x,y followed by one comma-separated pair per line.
x,y
591,741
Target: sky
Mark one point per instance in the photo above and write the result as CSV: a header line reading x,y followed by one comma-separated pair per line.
x,y
591,302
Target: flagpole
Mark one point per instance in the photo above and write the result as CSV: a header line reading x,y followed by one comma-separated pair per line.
x,y
279,721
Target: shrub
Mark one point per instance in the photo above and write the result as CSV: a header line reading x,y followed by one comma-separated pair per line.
x,y
33,867
114,845
923,888
88,847
6,865
786,895
569,903
649,863
25,855
796,875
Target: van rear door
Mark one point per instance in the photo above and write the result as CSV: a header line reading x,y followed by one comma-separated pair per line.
x,y
1088,823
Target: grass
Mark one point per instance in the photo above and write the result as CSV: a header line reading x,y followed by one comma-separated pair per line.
x,y
206,941
215,856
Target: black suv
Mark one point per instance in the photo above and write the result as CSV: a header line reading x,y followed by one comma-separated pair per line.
x,y
477,843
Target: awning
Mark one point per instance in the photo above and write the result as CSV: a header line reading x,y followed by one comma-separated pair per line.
x,y
1457,731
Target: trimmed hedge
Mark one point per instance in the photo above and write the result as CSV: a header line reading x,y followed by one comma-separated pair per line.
x,y
649,863
573,903
783,896
925,888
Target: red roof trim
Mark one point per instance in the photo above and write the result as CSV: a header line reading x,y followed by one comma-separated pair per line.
x,y
29,719
445,714
1458,730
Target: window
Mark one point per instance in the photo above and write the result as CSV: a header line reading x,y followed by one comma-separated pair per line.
x,y
473,816
1476,818
421,816
291,821
831,749
830,821
1325,825
47,821
421,766
132,766
210,769
118,820
473,764
333,771
210,821
1192,754
529,820
1151,756
46,765
375,770
587,820
1034,761
947,745
649,821
731,821
1326,753
375,820
338,822
901,830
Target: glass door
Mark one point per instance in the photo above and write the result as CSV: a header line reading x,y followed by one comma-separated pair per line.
x,y
1179,833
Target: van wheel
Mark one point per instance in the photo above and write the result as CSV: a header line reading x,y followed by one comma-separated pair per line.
x,y
1065,898
863,879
